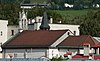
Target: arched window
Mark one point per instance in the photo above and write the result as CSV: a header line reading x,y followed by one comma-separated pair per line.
x,y
74,32
12,32
68,33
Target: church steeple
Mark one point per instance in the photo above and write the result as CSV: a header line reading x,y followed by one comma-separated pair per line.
x,y
23,23
44,25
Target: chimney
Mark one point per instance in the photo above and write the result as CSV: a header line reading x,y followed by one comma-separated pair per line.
x,y
69,54
51,20
86,47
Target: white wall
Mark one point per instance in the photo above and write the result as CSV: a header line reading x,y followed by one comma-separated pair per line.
x,y
32,53
62,52
15,28
61,39
72,28
3,30
28,53
52,53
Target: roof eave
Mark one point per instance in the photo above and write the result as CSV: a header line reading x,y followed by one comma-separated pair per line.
x,y
71,47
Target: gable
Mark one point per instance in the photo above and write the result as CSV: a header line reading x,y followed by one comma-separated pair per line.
x,y
77,41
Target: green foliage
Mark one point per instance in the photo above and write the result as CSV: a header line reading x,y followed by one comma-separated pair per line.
x,y
38,11
89,20
38,1
26,1
71,16
91,24
56,16
9,12
10,1
57,59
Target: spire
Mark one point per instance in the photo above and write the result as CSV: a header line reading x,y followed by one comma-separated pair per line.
x,y
44,25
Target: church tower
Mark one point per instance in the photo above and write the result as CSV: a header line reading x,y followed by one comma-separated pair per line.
x,y
23,23
44,25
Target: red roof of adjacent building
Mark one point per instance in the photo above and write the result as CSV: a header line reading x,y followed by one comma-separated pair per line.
x,y
69,53
97,45
78,41
79,56
29,38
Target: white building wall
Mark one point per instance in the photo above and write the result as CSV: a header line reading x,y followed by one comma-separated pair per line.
x,y
61,39
52,53
36,53
72,28
3,31
26,53
14,28
64,51
38,19
31,53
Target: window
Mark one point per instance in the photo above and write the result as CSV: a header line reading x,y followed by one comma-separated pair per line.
x,y
22,23
39,20
1,33
74,32
25,22
12,32
15,55
68,33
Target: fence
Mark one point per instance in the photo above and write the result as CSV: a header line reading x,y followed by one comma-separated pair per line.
x,y
25,59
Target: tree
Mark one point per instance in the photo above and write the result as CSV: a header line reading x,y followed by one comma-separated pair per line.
x,y
10,13
91,24
56,16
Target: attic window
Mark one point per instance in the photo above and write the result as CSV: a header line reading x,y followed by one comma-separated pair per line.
x,y
68,33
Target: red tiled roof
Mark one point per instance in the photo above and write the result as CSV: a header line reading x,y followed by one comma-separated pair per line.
x,y
78,41
85,44
97,45
80,56
90,54
69,53
40,38
97,57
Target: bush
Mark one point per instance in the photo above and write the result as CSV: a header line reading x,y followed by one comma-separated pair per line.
x,y
57,59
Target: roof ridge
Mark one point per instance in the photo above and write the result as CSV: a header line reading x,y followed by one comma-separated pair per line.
x,y
85,39
94,40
